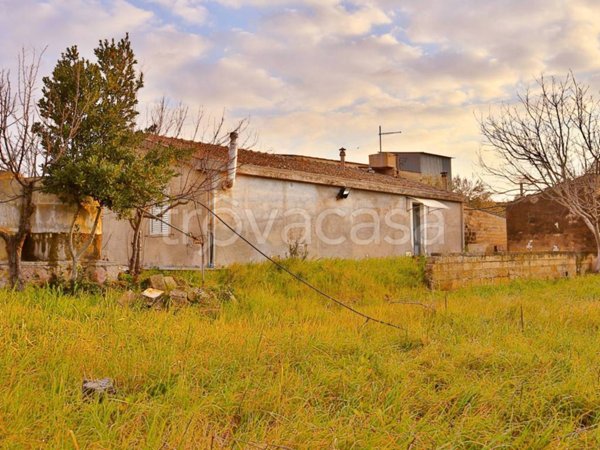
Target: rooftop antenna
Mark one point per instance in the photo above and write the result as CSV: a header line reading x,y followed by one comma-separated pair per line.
x,y
385,134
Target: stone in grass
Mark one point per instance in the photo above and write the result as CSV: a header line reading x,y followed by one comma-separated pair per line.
x,y
158,282
98,275
178,298
152,293
170,283
128,298
199,295
153,298
98,388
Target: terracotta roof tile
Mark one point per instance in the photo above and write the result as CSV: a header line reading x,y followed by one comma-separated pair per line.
x,y
319,166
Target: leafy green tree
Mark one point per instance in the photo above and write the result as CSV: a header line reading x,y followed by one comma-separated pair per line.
x,y
98,156
151,174
94,165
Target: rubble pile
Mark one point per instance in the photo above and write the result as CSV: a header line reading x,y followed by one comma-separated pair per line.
x,y
166,292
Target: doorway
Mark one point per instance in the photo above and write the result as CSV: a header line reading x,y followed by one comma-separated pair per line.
x,y
417,228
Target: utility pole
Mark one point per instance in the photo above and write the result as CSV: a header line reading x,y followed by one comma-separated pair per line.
x,y
385,134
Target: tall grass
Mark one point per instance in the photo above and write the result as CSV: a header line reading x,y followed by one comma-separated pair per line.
x,y
281,366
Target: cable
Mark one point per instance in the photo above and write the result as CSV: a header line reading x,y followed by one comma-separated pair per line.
x,y
282,267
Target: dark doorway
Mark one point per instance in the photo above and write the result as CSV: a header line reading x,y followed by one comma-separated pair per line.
x,y
417,232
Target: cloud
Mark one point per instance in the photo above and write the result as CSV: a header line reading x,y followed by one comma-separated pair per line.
x,y
61,23
165,56
191,11
315,75
324,20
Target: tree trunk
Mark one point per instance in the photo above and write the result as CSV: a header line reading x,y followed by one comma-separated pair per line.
x,y
135,262
77,254
138,260
132,258
203,263
74,269
595,230
72,252
14,242
14,250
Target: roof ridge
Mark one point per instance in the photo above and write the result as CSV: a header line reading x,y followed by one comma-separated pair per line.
x,y
319,166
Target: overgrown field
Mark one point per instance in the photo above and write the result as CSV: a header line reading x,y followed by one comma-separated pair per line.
x,y
505,367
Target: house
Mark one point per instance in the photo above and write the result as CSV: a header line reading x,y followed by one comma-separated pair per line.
x,y
283,204
538,223
280,203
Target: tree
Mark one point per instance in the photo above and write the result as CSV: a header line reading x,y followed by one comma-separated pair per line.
x,y
474,191
169,158
21,154
549,143
94,165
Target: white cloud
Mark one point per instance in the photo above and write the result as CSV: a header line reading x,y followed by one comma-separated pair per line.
x,y
191,11
319,74
324,20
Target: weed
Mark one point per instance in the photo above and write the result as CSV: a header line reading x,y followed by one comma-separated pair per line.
x,y
280,366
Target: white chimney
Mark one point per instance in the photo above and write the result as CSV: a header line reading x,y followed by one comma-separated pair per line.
x,y
232,159
342,156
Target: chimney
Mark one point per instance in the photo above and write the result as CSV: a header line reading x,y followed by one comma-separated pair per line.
x,y
342,156
232,159
445,184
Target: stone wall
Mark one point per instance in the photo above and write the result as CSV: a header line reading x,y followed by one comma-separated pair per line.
x,y
545,225
455,271
40,273
485,232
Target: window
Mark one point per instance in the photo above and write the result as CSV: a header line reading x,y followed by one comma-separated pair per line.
x,y
160,227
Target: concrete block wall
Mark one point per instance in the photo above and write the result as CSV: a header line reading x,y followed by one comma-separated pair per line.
x,y
485,233
455,271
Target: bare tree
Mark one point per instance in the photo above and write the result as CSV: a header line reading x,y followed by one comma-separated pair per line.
x,y
549,143
474,191
21,155
176,132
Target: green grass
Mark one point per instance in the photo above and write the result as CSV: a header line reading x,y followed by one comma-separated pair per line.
x,y
281,366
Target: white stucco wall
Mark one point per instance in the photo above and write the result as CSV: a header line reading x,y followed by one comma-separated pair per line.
x,y
366,224
272,212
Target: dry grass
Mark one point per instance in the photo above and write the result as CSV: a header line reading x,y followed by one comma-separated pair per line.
x,y
280,367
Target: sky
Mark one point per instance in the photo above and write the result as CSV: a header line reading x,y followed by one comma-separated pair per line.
x,y
316,75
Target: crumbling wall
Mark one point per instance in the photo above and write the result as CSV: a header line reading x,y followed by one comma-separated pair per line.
x,y
485,232
455,271
50,225
538,224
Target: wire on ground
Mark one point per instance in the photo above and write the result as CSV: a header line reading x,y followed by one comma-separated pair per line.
x,y
367,317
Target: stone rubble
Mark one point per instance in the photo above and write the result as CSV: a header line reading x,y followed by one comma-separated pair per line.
x,y
98,388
